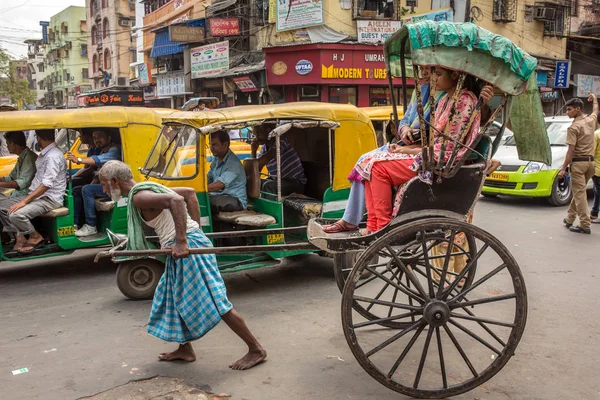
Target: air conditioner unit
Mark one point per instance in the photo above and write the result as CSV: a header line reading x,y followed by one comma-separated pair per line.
x,y
122,81
72,79
124,22
310,91
544,14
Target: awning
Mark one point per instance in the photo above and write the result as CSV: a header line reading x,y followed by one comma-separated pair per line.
x,y
218,5
240,70
163,46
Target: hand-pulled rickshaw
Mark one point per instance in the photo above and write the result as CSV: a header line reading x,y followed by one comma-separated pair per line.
x,y
433,305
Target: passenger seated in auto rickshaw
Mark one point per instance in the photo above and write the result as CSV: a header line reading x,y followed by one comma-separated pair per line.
x,y
84,196
22,174
46,193
226,177
293,179
381,171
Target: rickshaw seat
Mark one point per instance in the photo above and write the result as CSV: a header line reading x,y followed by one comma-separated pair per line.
x,y
456,194
246,217
252,177
57,212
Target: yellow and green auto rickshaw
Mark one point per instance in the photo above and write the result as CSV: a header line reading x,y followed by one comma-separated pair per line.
x,y
328,138
134,129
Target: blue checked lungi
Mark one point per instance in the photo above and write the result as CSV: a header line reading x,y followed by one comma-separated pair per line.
x,y
190,297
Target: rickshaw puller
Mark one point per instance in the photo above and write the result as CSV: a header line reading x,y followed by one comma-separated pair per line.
x,y
191,296
226,177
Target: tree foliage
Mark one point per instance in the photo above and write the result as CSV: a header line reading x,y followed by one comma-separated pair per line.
x,y
16,89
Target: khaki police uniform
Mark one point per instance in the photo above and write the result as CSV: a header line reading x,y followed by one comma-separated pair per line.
x,y
581,135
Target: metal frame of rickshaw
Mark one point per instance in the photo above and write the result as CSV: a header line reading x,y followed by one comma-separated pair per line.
x,y
60,228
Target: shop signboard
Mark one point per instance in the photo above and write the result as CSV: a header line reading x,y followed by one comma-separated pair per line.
x,y
144,77
586,84
170,84
542,78
550,96
224,27
561,74
296,14
209,60
186,34
246,83
150,93
440,15
376,31
113,98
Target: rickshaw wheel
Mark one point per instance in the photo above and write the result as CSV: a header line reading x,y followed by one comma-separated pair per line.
x,y
409,252
475,328
137,279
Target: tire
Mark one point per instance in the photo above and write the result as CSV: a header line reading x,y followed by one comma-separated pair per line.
x,y
137,279
561,194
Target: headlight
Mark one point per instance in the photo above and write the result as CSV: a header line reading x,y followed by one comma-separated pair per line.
x,y
534,167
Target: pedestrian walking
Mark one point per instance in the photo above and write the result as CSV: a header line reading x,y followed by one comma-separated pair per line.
x,y
596,177
580,160
191,297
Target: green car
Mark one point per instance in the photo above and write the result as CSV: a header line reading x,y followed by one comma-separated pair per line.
x,y
529,178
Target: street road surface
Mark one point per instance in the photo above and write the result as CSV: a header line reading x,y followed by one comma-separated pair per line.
x,y
66,321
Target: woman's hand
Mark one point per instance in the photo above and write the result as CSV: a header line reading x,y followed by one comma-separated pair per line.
x,y
487,93
394,148
406,134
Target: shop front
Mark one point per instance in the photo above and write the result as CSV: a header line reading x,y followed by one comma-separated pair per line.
x,y
109,97
332,73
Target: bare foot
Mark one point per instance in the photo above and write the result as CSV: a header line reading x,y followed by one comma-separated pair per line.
x,y
185,352
251,359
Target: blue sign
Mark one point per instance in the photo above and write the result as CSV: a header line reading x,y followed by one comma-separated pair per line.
x,y
44,25
542,78
561,74
304,67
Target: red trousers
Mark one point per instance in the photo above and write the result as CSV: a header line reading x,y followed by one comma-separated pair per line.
x,y
378,191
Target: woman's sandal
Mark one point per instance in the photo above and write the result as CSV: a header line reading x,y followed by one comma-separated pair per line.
x,y
338,227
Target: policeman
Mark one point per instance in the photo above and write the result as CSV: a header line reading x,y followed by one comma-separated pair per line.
x,y
580,157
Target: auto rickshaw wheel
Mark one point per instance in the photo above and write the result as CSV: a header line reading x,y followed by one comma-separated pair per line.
x,y
454,338
411,253
137,279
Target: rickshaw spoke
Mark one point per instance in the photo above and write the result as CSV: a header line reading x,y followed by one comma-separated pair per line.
x,y
393,338
484,326
423,357
387,303
393,301
406,350
476,284
460,350
389,282
379,320
484,320
486,300
384,288
441,354
427,265
475,336
465,270
446,262
363,283
410,275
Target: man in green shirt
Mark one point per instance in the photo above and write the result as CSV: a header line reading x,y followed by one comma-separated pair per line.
x,y
22,174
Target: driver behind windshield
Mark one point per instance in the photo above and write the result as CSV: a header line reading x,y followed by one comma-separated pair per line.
x,y
293,179
226,177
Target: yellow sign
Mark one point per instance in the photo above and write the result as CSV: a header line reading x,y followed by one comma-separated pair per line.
x,y
272,11
352,73
70,230
495,176
275,238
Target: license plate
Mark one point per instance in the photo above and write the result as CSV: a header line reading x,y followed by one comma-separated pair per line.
x,y
495,176
274,239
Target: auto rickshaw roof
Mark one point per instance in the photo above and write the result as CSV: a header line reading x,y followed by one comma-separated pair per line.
x,y
287,111
109,117
381,113
462,47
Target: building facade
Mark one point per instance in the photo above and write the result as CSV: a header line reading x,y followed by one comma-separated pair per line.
x,y
110,44
37,69
66,66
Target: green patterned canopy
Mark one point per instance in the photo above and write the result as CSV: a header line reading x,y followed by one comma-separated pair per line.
x,y
464,47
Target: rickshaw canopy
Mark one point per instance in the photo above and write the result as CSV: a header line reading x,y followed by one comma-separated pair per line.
x,y
353,137
464,47
194,102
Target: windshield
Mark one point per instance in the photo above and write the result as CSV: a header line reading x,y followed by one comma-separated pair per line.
x,y
174,153
557,134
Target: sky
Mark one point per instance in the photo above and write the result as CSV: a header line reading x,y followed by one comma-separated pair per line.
x,y
20,20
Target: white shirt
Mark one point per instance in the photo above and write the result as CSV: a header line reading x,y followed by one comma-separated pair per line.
x,y
164,226
51,172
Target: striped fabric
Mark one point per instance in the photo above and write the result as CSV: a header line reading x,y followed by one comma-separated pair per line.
x,y
291,166
190,297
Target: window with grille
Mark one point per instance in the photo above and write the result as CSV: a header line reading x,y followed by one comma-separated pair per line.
x,y
84,73
504,11
373,9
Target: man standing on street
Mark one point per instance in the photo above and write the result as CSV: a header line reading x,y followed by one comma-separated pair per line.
x,y
191,297
596,177
580,157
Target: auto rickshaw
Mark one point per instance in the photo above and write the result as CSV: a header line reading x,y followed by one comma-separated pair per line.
x,y
328,138
382,118
134,129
